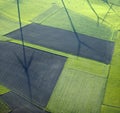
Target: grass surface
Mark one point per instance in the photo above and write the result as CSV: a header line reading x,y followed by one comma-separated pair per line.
x,y
112,95
77,92
3,90
107,109
101,9
4,108
78,78
88,66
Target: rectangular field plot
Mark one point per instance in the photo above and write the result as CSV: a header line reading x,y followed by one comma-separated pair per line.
x,y
87,65
77,92
112,95
66,41
36,79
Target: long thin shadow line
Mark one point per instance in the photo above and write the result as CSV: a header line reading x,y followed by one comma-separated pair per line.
x,y
72,25
27,99
94,11
113,10
24,63
20,61
21,33
30,60
107,13
26,73
77,36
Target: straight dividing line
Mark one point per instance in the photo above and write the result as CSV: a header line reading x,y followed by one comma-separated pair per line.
x,y
106,83
91,74
45,18
6,105
14,19
17,28
111,106
47,10
29,101
104,91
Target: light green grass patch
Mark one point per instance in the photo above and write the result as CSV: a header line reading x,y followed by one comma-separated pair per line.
x,y
4,108
77,92
116,55
89,66
107,109
115,71
3,90
112,95
115,63
7,25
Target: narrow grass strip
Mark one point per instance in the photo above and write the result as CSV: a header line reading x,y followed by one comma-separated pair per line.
x,y
108,109
74,62
3,90
112,95
89,66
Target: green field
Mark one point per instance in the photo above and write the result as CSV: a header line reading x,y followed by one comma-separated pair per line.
x,y
82,86
77,92
112,95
